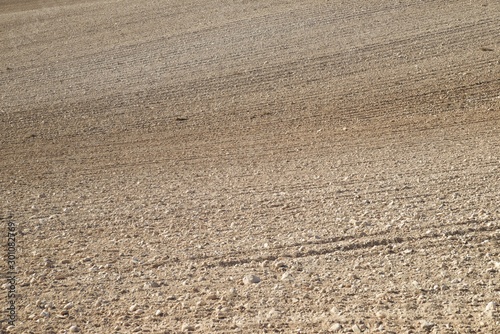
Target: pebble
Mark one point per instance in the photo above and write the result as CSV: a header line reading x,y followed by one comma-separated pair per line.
x,y
249,279
490,309
212,296
158,313
426,325
151,284
280,264
222,313
187,328
68,306
232,292
286,277
74,329
273,313
133,308
335,327
356,329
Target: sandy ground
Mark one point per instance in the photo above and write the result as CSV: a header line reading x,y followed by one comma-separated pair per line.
x,y
251,166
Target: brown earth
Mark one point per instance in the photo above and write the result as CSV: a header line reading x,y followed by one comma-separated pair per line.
x,y
155,153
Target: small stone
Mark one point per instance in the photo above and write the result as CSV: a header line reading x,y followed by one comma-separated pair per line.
x,y
151,284
74,329
171,297
68,306
353,276
158,313
490,306
280,264
490,309
426,325
286,277
334,310
222,313
187,328
133,308
249,279
335,327
273,314
212,296
232,292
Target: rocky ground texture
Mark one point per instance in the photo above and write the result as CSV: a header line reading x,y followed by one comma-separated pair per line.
x,y
251,166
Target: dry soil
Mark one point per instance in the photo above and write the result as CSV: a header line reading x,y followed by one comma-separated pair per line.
x,y
157,154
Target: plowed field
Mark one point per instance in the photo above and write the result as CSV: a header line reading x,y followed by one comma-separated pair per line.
x,y
156,154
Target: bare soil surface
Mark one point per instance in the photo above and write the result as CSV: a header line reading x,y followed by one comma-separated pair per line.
x,y
154,155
